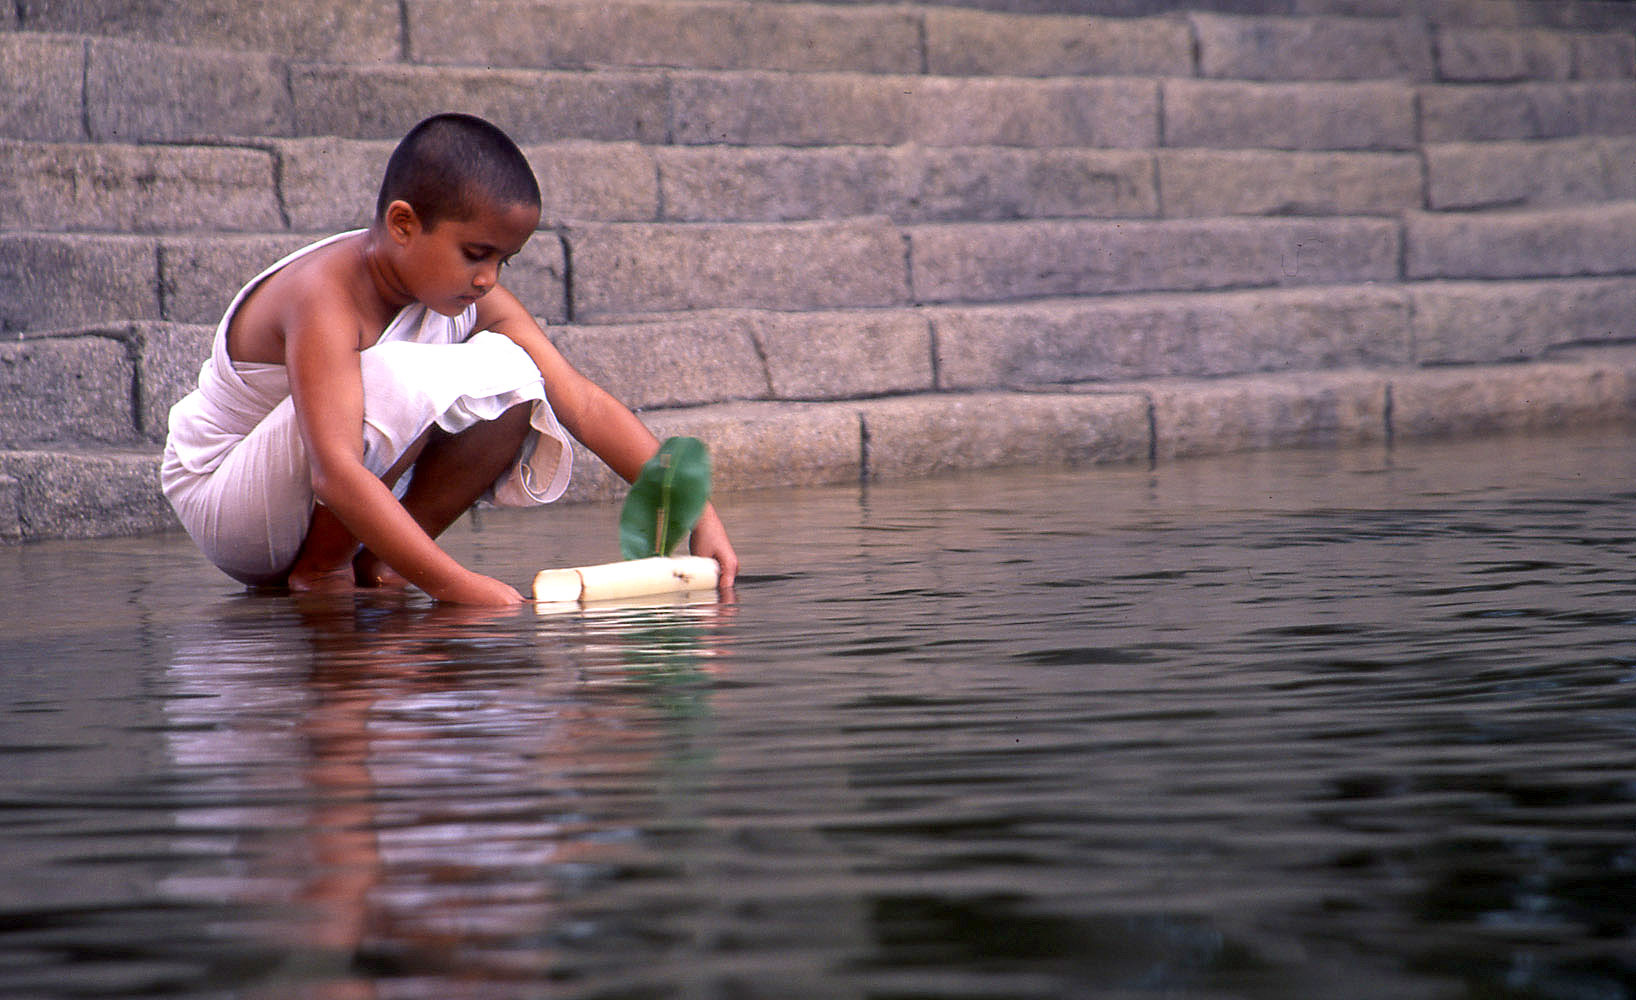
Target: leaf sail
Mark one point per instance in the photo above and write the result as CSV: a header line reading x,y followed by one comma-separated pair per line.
x,y
666,500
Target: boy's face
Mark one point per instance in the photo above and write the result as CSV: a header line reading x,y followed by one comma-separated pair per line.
x,y
457,261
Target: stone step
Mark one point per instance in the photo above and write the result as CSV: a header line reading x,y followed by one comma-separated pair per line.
x,y
1530,174
88,492
1492,112
358,30
1560,242
54,280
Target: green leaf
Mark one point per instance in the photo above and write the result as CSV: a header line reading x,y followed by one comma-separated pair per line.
x,y
666,500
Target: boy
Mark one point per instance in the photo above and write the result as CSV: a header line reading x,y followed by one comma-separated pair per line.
x,y
364,392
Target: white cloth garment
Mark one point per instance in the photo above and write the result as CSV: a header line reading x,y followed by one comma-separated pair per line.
x,y
235,468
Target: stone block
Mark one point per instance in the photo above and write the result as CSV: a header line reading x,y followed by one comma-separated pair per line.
x,y
1313,116
614,182
752,446
90,494
1116,339
329,184
1462,322
1484,399
627,269
1490,112
931,434
1254,182
169,356
136,189
54,281
1561,242
65,389
1618,154
841,355
538,277
43,78
1604,56
579,34
384,102
999,261
1059,111
1309,409
11,509
359,30
1311,48
781,109
763,109
907,183
1492,55
972,43
1500,174
201,274
686,361
143,92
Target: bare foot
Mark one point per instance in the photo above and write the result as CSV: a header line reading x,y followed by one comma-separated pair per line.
x,y
369,571
322,581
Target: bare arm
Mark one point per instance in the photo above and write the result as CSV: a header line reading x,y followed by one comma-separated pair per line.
x,y
326,383
596,418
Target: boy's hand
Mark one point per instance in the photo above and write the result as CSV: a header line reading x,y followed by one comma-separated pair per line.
x,y
477,589
710,540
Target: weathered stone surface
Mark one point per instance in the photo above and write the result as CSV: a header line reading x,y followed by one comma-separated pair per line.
x,y
968,43
169,356
1441,402
384,102
329,184
1232,115
925,435
836,109
11,509
1162,335
999,261
42,77
135,189
70,494
201,274
752,446
1311,48
626,269
359,30
1619,161
841,355
1485,321
1500,174
1327,409
686,361
1556,243
577,34
50,281
907,183
142,92
1499,55
1060,111
1488,112
1253,182
1608,56
65,389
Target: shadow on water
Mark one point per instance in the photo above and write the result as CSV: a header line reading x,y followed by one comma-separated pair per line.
x,y
1274,726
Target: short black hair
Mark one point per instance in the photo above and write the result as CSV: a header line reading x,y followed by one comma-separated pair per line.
x,y
449,164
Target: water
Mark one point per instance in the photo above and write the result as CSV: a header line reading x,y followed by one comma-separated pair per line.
x,y
1309,725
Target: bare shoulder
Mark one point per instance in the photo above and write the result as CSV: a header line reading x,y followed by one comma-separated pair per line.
x,y
314,291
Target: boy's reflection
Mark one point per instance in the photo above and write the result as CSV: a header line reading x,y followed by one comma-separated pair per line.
x,y
384,787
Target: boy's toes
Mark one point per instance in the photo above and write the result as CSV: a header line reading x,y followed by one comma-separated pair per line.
x,y
322,581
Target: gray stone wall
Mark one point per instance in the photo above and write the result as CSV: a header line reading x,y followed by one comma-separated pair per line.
x,y
844,240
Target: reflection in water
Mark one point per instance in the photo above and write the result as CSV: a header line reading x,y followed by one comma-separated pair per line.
x,y
1276,726
401,790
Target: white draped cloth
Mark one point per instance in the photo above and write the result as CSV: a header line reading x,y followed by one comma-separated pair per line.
x,y
235,468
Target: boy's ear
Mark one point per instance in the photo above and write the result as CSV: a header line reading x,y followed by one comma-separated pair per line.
x,y
401,221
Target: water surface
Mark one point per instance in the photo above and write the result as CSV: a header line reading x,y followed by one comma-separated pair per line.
x,y
1301,725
